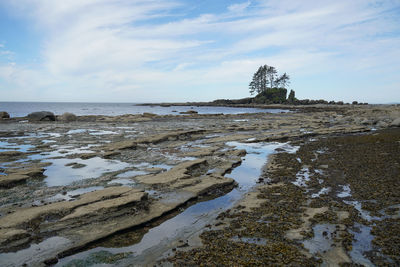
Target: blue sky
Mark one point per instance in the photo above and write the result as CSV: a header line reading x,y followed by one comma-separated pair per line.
x,y
192,50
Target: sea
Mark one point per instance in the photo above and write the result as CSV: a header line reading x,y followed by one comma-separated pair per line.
x,y
21,109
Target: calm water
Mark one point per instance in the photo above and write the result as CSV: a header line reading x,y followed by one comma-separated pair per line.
x,y
20,109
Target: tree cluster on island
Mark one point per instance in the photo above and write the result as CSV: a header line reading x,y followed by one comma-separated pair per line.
x,y
271,88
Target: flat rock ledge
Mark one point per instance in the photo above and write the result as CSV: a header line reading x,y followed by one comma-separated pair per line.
x,y
19,176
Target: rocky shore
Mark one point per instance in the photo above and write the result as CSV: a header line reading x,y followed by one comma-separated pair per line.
x,y
68,182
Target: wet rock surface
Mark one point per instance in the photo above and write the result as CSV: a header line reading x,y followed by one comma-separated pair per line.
x,y
74,181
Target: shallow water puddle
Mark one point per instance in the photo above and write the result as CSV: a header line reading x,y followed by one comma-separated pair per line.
x,y
324,190
101,132
346,191
322,240
76,131
132,173
7,146
361,244
91,132
30,256
363,213
194,219
58,174
126,182
302,177
250,240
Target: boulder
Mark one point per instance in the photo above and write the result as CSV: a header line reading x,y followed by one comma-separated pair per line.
x,y
395,123
41,116
67,117
4,115
382,124
188,112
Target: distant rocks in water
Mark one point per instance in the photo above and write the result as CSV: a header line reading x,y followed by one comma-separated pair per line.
x,y
41,116
4,115
67,117
189,112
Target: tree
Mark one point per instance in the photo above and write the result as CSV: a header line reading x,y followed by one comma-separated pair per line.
x,y
271,76
259,81
283,81
266,77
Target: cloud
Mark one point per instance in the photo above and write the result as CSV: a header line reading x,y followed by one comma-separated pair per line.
x,y
139,49
239,7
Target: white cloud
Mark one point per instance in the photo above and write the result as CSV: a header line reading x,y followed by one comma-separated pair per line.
x,y
239,7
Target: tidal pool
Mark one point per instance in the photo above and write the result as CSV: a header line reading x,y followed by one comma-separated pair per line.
x,y
132,173
322,240
361,244
58,174
30,256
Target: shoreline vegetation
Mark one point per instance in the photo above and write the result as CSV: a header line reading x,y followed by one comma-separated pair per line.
x,y
70,184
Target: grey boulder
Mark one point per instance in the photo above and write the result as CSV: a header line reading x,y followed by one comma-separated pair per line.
x,y
41,116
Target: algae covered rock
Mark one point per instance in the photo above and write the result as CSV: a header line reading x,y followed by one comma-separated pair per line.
x,y
67,117
41,116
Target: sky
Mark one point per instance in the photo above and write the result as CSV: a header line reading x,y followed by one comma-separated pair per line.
x,y
197,50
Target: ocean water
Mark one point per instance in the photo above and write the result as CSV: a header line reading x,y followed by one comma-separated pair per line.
x,y
21,109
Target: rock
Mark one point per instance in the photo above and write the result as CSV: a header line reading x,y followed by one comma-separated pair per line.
x,y
180,171
41,116
67,117
4,115
75,165
382,124
202,152
148,115
189,112
31,172
366,122
395,123
10,154
110,154
87,155
20,175
10,180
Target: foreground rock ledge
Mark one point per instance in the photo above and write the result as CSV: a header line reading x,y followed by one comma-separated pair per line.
x,y
112,209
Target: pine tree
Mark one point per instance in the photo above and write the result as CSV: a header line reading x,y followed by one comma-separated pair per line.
x,y
266,77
